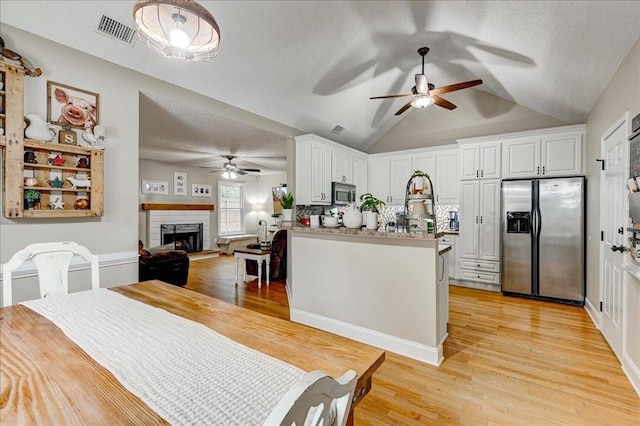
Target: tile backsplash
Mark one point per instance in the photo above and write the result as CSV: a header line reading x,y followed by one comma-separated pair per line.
x,y
387,213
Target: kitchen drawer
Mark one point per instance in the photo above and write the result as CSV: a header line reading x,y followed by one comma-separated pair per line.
x,y
480,265
485,277
447,239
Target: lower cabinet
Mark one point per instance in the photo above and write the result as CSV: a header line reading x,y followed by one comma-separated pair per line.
x,y
451,240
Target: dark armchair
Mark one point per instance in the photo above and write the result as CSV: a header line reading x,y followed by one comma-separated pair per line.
x,y
278,266
171,266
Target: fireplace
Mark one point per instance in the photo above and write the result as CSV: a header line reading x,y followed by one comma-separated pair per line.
x,y
185,236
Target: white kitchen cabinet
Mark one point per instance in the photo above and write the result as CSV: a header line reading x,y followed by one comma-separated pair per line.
x,y
388,177
360,176
451,240
480,160
313,171
546,154
442,167
479,244
447,181
341,166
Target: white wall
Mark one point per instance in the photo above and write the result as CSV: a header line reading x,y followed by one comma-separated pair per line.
x,y
116,233
621,94
256,190
478,114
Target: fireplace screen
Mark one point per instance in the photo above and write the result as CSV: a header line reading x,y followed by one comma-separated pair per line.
x,y
186,236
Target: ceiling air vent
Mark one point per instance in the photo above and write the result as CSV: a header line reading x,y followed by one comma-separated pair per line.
x,y
337,130
111,28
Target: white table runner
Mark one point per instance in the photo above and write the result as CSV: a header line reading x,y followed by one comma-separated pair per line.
x,y
184,371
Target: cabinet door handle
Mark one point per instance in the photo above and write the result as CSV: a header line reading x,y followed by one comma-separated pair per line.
x,y
477,173
480,219
543,170
391,198
476,219
481,173
437,197
538,170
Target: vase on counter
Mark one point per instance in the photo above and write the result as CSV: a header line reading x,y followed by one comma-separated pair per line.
x,y
38,129
287,214
372,220
352,218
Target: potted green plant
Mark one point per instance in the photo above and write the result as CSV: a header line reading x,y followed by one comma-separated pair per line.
x,y
369,208
370,203
31,198
287,206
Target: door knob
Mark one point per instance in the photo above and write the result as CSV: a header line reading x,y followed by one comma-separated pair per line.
x,y
619,248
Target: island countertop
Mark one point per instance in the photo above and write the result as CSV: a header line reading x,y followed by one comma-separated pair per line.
x,y
342,231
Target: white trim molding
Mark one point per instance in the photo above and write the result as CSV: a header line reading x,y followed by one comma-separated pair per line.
x,y
417,351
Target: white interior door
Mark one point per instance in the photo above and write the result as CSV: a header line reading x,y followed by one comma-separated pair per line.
x,y
614,213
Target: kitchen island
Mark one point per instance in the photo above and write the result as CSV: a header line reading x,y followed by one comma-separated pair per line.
x,y
388,290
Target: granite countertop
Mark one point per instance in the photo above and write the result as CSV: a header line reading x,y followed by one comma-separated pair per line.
x,y
294,226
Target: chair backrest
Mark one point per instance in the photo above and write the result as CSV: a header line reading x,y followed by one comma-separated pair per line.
x,y
52,261
316,399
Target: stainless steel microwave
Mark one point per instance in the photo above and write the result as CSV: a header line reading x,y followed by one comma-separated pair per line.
x,y
342,193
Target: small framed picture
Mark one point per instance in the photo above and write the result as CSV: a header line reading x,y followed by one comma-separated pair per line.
x,y
70,106
155,187
200,190
179,183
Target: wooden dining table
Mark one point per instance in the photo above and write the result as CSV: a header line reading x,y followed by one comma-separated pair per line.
x,y
45,378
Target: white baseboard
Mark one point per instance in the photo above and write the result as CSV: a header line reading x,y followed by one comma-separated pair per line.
x,y
28,268
632,371
420,352
476,285
592,312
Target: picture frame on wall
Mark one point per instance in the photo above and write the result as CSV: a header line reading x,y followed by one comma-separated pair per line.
x,y
179,183
156,187
70,106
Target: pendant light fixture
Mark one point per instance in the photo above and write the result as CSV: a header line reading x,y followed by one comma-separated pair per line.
x,y
180,29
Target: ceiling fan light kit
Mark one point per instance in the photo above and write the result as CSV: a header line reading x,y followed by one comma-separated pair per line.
x,y
180,29
425,94
229,175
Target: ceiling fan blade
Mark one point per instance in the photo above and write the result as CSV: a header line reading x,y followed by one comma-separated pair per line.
x,y
404,108
240,172
421,84
391,96
249,170
454,87
443,102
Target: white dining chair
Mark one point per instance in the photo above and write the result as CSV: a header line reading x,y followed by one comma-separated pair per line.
x,y
52,261
315,399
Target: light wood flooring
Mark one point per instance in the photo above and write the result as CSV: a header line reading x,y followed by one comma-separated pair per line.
x,y
507,361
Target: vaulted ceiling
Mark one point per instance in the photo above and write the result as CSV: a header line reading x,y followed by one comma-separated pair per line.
x,y
313,65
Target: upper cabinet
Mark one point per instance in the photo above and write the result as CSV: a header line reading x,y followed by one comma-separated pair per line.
x,y
480,160
555,152
319,162
388,176
442,166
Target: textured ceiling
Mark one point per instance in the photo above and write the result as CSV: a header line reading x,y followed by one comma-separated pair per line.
x,y
313,65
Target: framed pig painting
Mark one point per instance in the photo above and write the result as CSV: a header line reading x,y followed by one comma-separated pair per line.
x,y
69,106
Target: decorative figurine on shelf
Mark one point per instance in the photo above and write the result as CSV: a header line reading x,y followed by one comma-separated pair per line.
x,y
39,129
93,136
83,163
30,157
56,183
57,204
81,204
79,183
56,161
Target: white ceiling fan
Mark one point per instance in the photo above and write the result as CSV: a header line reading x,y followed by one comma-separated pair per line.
x,y
231,170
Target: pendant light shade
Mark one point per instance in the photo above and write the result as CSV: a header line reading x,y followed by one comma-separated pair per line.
x,y
180,29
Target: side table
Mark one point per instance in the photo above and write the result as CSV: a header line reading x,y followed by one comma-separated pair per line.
x,y
253,254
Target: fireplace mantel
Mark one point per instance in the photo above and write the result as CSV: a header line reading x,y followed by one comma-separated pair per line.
x,y
153,206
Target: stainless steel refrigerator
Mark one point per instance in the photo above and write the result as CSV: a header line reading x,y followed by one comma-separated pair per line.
x,y
543,246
